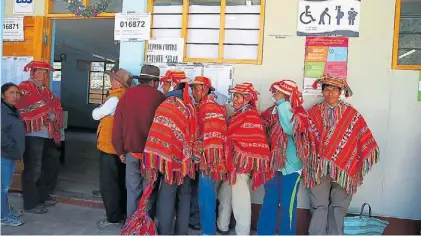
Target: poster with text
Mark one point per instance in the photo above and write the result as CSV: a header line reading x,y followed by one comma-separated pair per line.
x,y
329,18
165,50
324,55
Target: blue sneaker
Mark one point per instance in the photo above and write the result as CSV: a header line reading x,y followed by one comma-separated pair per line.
x,y
15,212
11,221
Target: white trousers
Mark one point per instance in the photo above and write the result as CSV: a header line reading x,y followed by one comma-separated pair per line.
x,y
235,198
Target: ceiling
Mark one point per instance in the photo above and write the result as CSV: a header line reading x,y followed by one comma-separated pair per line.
x,y
87,37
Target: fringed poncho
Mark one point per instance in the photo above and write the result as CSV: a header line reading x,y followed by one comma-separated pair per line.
x,y
345,147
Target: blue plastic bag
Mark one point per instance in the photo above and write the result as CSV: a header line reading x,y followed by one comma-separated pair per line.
x,y
364,225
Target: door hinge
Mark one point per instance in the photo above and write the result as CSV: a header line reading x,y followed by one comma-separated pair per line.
x,y
45,40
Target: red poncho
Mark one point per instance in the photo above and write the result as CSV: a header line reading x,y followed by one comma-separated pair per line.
x,y
40,108
169,145
345,150
278,140
140,223
212,137
247,149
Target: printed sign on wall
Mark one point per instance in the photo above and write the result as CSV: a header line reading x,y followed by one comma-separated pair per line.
x,y
13,29
132,26
324,55
329,18
23,7
165,50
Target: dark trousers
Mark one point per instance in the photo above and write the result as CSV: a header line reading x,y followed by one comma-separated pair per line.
x,y
112,186
194,203
136,184
40,172
172,198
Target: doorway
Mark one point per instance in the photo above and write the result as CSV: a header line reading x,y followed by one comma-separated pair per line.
x,y
82,52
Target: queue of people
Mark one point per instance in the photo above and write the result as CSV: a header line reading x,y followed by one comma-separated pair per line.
x,y
155,144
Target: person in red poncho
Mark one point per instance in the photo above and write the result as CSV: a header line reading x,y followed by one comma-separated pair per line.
x,y
286,124
345,151
247,153
169,150
209,150
43,117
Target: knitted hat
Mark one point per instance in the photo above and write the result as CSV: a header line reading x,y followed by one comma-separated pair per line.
x,y
246,89
175,77
289,88
203,81
334,81
33,65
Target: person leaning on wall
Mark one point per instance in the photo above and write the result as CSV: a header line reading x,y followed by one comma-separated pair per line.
x,y
12,149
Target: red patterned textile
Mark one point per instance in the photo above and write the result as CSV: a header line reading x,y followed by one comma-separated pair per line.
x,y
345,149
40,108
278,140
247,149
169,145
140,223
334,81
212,137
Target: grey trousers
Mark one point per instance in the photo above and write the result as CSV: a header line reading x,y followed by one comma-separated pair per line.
x,y
135,184
172,198
330,203
194,202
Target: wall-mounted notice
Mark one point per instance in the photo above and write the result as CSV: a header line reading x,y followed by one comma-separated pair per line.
x,y
13,29
329,18
165,50
324,55
132,26
23,7
12,69
221,77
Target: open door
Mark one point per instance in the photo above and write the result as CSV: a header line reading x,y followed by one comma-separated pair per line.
x,y
37,31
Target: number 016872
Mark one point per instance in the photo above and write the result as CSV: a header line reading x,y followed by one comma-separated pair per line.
x,y
132,24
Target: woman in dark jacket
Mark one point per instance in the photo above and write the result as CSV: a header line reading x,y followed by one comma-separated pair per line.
x,y
12,148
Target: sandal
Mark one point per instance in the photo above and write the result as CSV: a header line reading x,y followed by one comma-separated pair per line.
x,y
37,210
49,203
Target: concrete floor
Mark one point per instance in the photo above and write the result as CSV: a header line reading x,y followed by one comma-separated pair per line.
x,y
62,219
79,176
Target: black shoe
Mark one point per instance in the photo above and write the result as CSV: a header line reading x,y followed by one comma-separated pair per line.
x,y
195,227
96,194
222,232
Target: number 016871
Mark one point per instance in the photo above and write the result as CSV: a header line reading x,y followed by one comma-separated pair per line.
x,y
132,24
10,26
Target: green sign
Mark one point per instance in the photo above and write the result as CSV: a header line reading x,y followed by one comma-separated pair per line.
x,y
314,69
419,87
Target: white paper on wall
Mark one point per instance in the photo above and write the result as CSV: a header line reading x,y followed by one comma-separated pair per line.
x,y
12,69
221,77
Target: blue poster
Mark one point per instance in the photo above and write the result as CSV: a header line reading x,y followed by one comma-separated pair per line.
x,y
337,54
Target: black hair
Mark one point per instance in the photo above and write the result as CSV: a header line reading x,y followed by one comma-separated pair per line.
x,y
6,87
328,85
144,81
179,86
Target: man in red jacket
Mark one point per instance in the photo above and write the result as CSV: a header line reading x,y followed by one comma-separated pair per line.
x,y
132,120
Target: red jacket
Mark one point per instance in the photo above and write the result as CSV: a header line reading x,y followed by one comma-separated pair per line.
x,y
133,118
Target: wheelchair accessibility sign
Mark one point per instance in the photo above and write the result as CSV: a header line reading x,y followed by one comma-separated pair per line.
x,y
329,18
25,7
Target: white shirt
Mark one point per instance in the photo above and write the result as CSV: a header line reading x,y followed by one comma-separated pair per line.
x,y
106,109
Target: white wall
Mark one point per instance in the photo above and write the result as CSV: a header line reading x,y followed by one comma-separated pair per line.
x,y
386,98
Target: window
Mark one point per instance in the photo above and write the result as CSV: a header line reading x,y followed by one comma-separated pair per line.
x,y
218,31
407,39
99,82
57,71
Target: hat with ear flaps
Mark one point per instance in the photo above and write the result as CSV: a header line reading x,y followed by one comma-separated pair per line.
x,y
33,65
334,81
